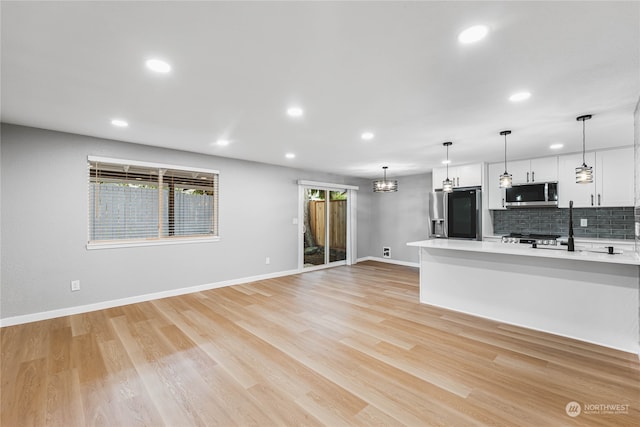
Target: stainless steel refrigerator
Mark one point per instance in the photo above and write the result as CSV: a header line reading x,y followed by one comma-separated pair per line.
x,y
456,215
437,213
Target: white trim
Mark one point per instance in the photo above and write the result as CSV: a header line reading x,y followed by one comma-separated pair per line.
x,y
390,261
69,311
352,227
300,227
148,164
45,315
327,228
158,242
92,245
351,219
333,186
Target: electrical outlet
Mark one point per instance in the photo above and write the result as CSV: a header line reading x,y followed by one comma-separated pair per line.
x,y
267,260
583,222
386,252
75,285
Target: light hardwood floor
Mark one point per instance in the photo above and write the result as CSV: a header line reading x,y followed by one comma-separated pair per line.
x,y
344,346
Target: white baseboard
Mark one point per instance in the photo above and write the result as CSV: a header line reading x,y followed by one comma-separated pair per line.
x,y
34,317
389,261
68,311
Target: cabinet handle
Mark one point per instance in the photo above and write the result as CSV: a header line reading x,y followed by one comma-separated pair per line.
x,y
592,200
598,199
533,176
527,176
458,182
503,202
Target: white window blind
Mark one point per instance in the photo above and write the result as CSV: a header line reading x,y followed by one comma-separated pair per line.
x,y
134,201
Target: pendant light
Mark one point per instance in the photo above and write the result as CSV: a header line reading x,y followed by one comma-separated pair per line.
x,y
447,184
505,178
384,185
584,173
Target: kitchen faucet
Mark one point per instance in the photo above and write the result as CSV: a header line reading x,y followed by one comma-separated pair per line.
x,y
570,243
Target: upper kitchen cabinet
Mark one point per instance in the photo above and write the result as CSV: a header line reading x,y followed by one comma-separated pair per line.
x,y
462,176
534,170
612,184
583,195
469,175
495,196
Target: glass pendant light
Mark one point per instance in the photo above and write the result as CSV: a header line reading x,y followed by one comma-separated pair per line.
x,y
505,178
447,184
384,185
584,173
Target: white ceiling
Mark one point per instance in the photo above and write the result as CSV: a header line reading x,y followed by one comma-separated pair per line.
x,y
394,68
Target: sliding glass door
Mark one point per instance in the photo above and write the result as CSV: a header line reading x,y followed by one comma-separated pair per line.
x,y
325,226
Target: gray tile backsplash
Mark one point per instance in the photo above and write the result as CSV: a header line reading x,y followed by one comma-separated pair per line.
x,y
602,223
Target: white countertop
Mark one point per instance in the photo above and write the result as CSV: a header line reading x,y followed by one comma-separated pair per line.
x,y
627,257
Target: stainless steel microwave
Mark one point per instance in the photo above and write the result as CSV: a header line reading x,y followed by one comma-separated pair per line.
x,y
535,194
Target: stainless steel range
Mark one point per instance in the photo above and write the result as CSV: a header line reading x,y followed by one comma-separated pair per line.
x,y
538,239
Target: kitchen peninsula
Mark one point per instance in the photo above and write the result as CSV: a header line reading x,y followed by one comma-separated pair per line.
x,y
588,296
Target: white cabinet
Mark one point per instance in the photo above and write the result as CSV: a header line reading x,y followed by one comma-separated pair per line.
x,y
462,176
469,175
544,169
583,195
614,179
519,171
534,170
612,184
494,195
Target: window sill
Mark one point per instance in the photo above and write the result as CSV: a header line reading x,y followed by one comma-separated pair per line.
x,y
159,242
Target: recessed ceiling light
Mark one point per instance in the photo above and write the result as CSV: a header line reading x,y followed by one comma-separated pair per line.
x,y
520,96
556,146
222,142
158,66
290,155
119,123
367,136
295,112
446,162
473,34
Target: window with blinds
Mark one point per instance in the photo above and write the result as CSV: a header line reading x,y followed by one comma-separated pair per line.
x,y
135,201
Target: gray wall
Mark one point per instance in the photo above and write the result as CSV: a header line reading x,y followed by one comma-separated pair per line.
x,y
44,224
365,215
636,143
401,217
